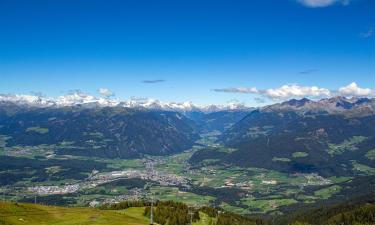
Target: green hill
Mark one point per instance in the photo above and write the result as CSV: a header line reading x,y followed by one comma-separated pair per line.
x,y
31,214
359,211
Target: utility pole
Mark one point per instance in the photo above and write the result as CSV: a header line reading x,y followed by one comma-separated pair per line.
x,y
191,213
218,216
16,191
35,199
151,212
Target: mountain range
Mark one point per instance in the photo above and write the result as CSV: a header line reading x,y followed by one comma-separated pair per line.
x,y
331,136
89,101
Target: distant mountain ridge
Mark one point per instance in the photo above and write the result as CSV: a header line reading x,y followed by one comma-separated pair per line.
x,y
88,101
330,105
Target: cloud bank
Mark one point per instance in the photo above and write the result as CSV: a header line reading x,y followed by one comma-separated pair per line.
x,y
353,90
296,91
289,91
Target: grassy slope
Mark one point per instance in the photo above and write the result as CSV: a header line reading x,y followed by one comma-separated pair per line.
x,y
23,213
31,214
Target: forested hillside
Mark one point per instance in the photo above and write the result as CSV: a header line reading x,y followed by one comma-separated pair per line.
x,y
114,132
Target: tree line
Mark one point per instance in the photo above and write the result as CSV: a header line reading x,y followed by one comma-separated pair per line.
x,y
355,212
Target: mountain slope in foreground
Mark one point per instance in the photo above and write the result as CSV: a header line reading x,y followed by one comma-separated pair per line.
x,y
31,214
360,211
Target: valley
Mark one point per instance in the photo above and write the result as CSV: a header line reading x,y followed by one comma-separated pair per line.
x,y
236,189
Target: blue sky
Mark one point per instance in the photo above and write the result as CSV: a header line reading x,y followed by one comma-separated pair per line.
x,y
192,47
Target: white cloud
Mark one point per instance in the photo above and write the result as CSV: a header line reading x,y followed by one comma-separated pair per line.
x,y
76,98
106,92
296,91
322,3
281,93
290,91
353,90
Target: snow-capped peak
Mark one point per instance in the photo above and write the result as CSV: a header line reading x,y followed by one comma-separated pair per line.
x,y
80,98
